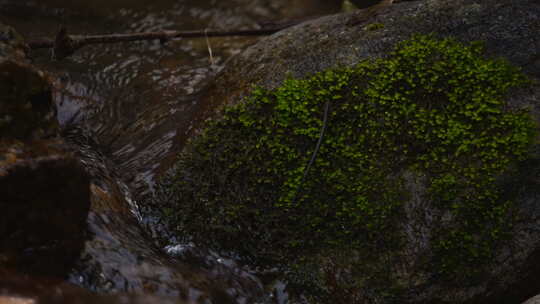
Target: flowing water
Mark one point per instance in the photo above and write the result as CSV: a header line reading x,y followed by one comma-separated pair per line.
x,y
135,97
126,107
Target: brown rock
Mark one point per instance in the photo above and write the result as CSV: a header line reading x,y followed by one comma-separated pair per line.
x,y
44,201
44,190
26,107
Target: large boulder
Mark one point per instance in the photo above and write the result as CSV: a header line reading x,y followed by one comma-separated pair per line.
x,y
411,271
507,27
533,300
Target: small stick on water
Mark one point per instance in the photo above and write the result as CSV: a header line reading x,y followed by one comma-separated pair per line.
x,y
315,151
65,45
209,47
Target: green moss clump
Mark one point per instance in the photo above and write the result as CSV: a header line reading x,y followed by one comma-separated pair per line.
x,y
433,108
373,27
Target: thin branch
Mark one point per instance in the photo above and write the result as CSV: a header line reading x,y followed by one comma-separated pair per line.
x,y
65,45
314,155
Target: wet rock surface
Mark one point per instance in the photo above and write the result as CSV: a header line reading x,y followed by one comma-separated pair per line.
x,y
27,109
44,189
45,198
533,300
22,288
508,29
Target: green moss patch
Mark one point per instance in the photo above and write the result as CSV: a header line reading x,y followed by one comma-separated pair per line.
x,y
373,27
258,183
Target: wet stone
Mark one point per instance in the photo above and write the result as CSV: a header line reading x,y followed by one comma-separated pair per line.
x,y
16,288
11,43
44,190
26,109
44,201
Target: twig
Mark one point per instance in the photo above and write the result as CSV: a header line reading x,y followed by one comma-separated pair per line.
x,y
65,45
209,47
314,155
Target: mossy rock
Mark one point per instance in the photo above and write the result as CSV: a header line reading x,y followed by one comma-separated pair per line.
x,y
508,29
365,182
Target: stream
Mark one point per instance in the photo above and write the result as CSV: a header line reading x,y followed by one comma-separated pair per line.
x,y
126,109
